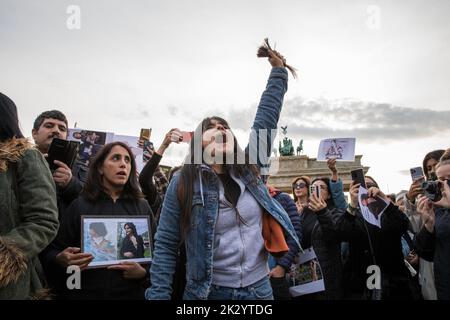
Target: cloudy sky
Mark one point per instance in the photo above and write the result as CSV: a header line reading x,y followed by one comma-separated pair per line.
x,y
375,70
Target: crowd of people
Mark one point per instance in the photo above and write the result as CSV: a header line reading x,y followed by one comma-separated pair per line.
x,y
218,230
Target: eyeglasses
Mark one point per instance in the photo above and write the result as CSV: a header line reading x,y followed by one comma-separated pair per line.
x,y
298,185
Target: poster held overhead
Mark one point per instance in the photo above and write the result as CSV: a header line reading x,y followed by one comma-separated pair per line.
x,y
341,149
90,142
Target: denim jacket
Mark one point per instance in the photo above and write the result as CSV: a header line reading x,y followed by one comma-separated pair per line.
x,y
205,205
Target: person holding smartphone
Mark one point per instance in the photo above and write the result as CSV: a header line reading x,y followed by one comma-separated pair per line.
x,y
69,182
319,232
426,272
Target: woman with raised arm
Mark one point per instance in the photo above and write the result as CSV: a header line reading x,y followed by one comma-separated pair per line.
x,y
222,210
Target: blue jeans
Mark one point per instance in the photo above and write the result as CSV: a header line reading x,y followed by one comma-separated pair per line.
x,y
260,290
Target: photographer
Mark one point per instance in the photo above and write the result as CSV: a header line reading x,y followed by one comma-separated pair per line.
x,y
426,274
430,161
433,241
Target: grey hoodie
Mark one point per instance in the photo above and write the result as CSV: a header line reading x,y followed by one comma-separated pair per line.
x,y
240,258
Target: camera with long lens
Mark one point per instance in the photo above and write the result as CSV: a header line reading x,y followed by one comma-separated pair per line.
x,y
432,190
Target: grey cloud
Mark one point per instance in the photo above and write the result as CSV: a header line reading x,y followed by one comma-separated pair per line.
x,y
367,121
242,118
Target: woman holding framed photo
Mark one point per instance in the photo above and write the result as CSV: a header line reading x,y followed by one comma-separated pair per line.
x,y
111,190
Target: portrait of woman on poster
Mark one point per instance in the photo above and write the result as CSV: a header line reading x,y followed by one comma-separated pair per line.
x,y
133,244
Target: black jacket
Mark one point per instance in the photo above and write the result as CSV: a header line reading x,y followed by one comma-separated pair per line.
x,y
387,249
98,283
128,246
327,246
147,185
436,247
64,197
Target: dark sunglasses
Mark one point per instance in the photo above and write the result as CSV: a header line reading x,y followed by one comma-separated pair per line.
x,y
298,185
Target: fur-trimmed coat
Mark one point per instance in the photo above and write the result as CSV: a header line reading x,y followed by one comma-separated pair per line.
x,y
28,217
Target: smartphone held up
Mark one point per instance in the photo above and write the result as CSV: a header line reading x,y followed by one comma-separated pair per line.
x,y
313,189
358,177
417,174
62,150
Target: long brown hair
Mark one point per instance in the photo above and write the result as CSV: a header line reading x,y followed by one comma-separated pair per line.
x,y
94,184
189,173
436,155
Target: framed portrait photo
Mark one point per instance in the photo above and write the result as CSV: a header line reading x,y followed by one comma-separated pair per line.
x,y
113,239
